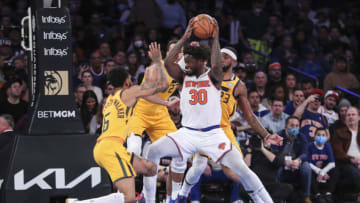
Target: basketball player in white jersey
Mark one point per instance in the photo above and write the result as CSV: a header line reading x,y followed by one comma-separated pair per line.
x,y
201,110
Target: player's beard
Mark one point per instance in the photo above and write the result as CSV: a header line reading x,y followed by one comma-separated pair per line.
x,y
226,68
191,71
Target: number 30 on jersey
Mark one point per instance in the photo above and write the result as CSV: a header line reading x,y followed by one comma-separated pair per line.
x,y
198,97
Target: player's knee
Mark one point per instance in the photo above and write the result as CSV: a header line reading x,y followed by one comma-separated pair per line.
x,y
178,166
129,199
200,163
153,152
151,168
134,143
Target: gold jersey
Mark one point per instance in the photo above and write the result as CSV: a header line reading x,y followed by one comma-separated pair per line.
x,y
228,100
116,116
145,107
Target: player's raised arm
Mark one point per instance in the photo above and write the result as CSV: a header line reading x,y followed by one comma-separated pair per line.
x,y
216,72
155,81
241,93
155,56
170,61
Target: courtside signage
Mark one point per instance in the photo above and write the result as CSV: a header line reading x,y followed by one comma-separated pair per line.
x,y
60,179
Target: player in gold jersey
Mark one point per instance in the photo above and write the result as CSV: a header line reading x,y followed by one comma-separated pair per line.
x,y
233,94
151,115
109,151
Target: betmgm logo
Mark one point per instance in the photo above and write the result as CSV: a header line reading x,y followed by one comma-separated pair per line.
x,y
56,83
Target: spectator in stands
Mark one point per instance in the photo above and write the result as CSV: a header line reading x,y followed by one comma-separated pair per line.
x,y
87,80
13,104
322,163
265,164
342,109
277,92
341,76
120,58
20,67
105,51
109,65
96,120
323,41
308,113
260,81
213,172
241,73
146,12
139,47
307,87
275,121
89,108
335,35
173,14
254,23
298,99
309,65
290,85
134,67
275,74
249,64
96,69
79,93
109,89
254,100
7,124
292,156
346,146
153,36
7,139
328,109
286,54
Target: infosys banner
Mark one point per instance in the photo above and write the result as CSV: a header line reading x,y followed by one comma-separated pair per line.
x,y
45,168
55,110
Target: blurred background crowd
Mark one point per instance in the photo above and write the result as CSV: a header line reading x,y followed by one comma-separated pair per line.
x,y
298,58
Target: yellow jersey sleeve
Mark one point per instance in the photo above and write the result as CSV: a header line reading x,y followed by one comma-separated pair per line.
x,y
228,100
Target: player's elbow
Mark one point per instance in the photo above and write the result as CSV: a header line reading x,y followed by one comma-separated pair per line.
x,y
163,85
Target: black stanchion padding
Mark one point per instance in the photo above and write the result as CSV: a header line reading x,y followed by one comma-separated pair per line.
x,y
47,167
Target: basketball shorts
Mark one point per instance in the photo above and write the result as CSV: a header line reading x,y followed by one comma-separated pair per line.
x,y
213,143
156,126
229,134
113,157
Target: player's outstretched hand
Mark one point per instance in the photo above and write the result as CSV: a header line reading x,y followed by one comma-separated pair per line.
x,y
215,34
155,52
274,139
189,29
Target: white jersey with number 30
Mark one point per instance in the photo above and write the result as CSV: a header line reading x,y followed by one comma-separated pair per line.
x,y
200,102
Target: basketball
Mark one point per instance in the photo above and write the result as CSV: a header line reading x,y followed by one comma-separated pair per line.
x,y
203,26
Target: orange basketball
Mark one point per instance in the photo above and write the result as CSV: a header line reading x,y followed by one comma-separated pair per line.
x,y
203,26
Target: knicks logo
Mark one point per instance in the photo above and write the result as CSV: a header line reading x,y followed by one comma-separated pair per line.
x,y
222,146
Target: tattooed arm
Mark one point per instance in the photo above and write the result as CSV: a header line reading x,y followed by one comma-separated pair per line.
x,y
216,72
155,79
